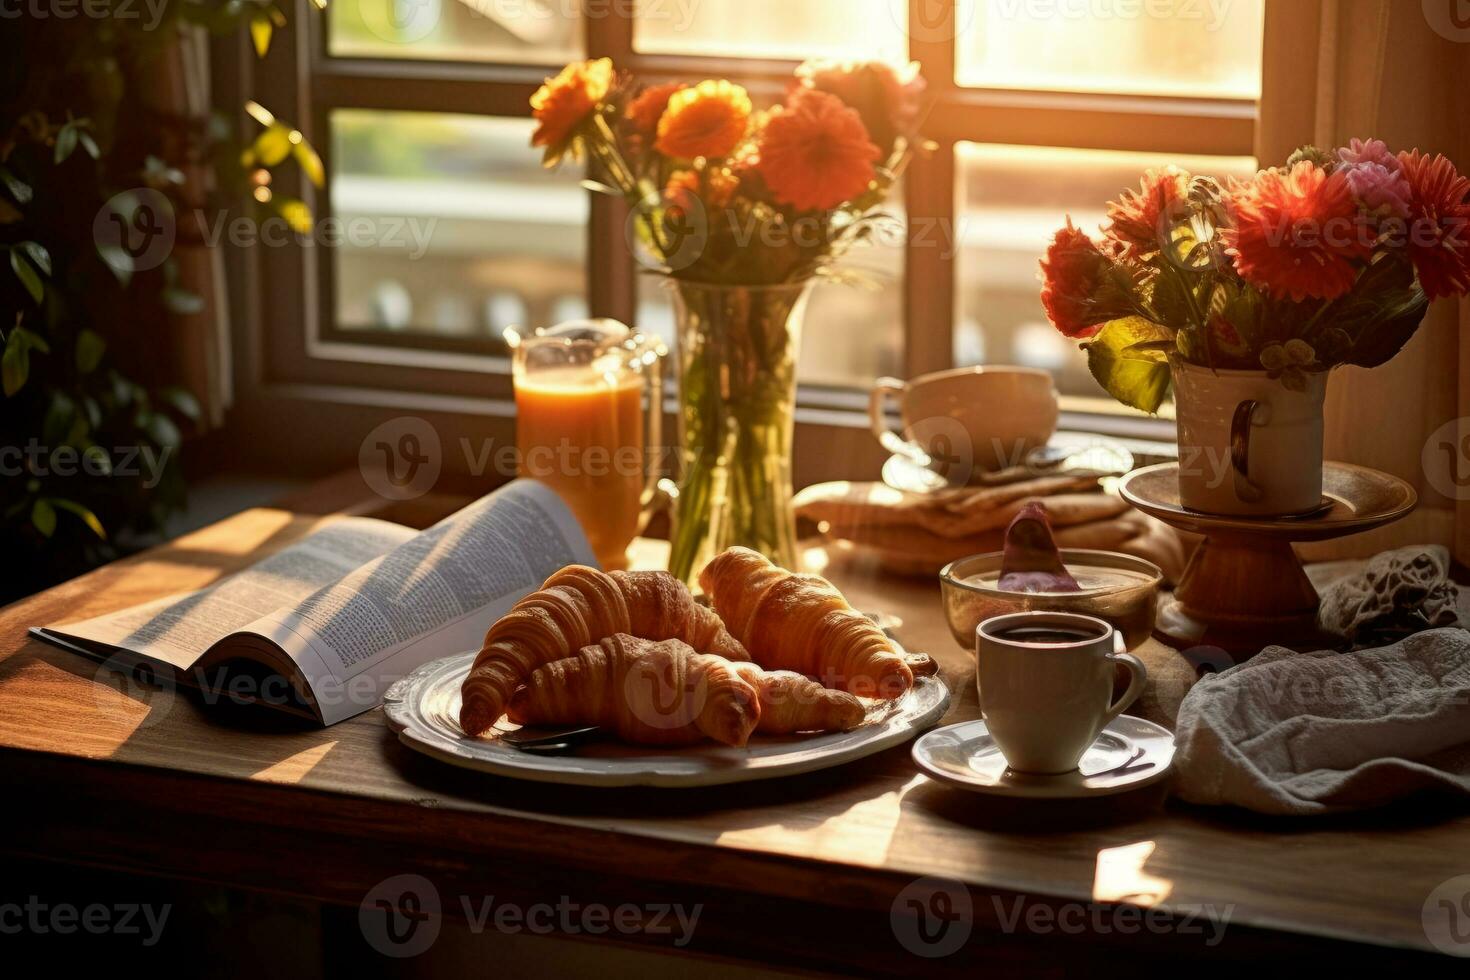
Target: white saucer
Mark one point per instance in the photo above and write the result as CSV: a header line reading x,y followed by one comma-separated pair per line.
x,y
965,755
1068,454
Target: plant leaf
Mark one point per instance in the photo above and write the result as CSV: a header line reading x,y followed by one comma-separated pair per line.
x,y
116,258
15,364
273,145
1131,372
32,340
182,302
27,276
90,145
260,32
309,162
43,516
90,347
87,517
162,430
296,213
18,188
182,401
37,253
66,142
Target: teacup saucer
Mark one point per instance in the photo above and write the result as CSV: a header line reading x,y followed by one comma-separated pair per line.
x,y
1130,753
1068,453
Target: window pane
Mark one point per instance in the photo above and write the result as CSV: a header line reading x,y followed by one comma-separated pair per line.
x,y
1011,200
1163,47
793,29
522,31
450,225
853,332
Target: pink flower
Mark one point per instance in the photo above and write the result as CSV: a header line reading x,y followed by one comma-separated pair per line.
x,y
1371,151
1381,192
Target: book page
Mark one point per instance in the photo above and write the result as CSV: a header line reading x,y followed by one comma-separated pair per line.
x,y
178,629
432,596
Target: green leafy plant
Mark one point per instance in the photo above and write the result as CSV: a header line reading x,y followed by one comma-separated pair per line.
x,y
91,421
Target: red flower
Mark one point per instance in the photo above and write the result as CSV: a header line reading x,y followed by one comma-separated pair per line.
x,y
645,111
1297,233
815,153
1439,224
888,99
1136,220
1072,274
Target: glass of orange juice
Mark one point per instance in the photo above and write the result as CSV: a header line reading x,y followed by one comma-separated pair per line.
x,y
589,405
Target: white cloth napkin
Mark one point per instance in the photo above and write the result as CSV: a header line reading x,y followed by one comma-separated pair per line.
x,y
1306,733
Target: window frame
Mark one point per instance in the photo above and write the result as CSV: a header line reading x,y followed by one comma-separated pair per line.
x,y
293,358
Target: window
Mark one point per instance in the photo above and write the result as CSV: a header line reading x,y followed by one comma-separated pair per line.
x,y
1040,109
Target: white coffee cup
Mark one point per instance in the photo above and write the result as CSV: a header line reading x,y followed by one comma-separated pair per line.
x,y
969,419
1046,685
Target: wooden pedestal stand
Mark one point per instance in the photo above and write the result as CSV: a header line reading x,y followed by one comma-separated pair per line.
x,y
1245,587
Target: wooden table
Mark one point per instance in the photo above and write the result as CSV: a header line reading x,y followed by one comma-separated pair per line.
x,y
808,872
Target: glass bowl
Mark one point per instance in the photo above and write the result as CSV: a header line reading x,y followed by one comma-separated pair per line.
x,y
1118,588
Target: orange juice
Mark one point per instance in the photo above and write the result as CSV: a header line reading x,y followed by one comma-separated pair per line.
x,y
580,431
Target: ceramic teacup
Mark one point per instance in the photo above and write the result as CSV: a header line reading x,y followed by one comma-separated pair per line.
x,y
967,420
1046,685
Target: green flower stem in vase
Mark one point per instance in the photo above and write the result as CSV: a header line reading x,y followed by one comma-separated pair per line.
x,y
737,399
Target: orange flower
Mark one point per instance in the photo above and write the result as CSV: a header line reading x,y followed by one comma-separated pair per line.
x,y
815,153
1137,218
564,104
715,186
708,120
645,111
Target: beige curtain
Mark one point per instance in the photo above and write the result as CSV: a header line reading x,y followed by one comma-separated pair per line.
x,y
1392,69
177,93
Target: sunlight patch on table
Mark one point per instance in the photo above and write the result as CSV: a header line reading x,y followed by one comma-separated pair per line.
x,y
859,835
1120,876
294,768
45,692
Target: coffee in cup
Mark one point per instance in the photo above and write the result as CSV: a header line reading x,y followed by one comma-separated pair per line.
x,y
1046,685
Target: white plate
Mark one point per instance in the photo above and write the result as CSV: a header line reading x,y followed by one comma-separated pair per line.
x,y
423,708
965,755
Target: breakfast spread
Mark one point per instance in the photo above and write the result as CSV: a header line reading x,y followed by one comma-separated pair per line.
x,y
634,652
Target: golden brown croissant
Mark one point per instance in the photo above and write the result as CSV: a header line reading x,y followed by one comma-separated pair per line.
x,y
793,703
576,607
649,693
790,621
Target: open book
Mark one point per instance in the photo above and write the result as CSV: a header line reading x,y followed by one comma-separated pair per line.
x,y
324,626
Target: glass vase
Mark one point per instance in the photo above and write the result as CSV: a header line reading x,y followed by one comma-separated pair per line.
x,y
737,348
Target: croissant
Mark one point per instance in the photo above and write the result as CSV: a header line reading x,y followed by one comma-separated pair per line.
x,y
793,703
667,694
790,621
576,607
649,693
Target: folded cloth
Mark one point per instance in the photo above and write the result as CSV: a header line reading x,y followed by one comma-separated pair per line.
x,y
1394,593
1307,733
918,534
951,513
